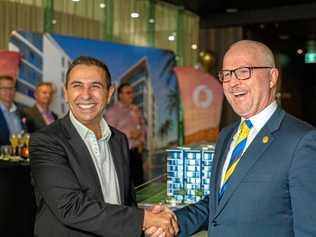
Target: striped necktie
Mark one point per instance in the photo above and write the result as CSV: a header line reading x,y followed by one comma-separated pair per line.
x,y
239,147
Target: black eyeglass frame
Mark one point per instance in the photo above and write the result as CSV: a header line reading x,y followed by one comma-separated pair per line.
x,y
220,73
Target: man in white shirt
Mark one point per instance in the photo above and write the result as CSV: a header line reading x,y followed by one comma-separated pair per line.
x,y
80,166
263,177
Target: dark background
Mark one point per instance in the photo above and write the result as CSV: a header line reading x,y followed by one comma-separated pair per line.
x,y
285,26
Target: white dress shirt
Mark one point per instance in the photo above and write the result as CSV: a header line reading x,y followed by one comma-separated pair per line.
x,y
258,121
102,158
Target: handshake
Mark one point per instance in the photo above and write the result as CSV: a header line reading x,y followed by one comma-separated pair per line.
x,y
160,221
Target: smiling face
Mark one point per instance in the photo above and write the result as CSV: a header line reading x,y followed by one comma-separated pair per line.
x,y
87,94
251,96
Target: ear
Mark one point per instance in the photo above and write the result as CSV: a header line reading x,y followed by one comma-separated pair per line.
x,y
274,77
110,93
65,95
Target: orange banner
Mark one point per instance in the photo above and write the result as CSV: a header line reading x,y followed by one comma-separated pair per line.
x,y
202,99
9,63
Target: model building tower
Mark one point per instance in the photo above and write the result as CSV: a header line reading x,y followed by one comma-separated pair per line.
x,y
189,172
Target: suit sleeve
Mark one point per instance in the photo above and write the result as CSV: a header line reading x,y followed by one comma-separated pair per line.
x,y
302,178
193,218
131,195
72,205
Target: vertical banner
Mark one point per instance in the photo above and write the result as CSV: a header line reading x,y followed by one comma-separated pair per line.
x,y
9,63
202,99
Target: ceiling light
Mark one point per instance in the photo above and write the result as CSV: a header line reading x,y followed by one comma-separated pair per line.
x,y
151,20
75,0
299,51
194,46
54,21
171,37
102,5
207,58
134,14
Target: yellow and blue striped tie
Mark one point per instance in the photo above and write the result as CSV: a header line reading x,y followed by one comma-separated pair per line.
x,y
240,145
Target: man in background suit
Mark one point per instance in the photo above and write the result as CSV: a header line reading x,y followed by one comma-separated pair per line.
x,y
263,177
80,166
39,115
12,118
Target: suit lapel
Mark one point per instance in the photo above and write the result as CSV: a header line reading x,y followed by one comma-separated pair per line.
x,y
223,150
38,116
117,155
252,154
84,159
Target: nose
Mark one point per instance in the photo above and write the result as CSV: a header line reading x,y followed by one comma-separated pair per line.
x,y
85,93
233,80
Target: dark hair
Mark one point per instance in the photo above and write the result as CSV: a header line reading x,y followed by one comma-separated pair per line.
x,y
89,61
120,88
6,77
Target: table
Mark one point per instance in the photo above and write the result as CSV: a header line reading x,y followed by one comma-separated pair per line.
x,y
17,201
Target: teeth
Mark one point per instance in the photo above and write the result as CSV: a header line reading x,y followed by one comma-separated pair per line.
x,y
89,106
238,93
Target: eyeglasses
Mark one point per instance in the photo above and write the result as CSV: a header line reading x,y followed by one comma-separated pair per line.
x,y
7,88
241,73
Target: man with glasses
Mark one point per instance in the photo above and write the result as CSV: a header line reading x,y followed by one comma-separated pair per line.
x,y
263,177
11,117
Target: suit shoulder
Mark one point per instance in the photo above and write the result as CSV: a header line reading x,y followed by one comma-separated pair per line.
x,y
228,128
117,132
294,124
29,110
53,130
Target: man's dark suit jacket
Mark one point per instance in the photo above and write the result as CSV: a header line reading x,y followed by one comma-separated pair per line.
x,y
67,188
34,119
4,129
272,191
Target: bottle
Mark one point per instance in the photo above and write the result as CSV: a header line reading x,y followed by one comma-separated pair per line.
x,y
25,147
25,151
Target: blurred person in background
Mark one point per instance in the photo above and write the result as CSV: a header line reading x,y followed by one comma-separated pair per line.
x,y
40,115
12,117
126,117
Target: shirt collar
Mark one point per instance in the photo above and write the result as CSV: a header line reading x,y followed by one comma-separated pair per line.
x,y
260,119
40,109
13,107
84,131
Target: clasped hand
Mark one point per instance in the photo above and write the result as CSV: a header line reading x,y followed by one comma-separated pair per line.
x,y
160,221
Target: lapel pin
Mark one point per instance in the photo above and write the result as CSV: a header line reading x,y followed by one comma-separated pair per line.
x,y
265,139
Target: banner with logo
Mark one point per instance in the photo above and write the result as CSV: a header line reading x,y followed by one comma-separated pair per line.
x,y
202,98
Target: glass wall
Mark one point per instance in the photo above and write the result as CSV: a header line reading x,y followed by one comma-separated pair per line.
x,y
154,23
